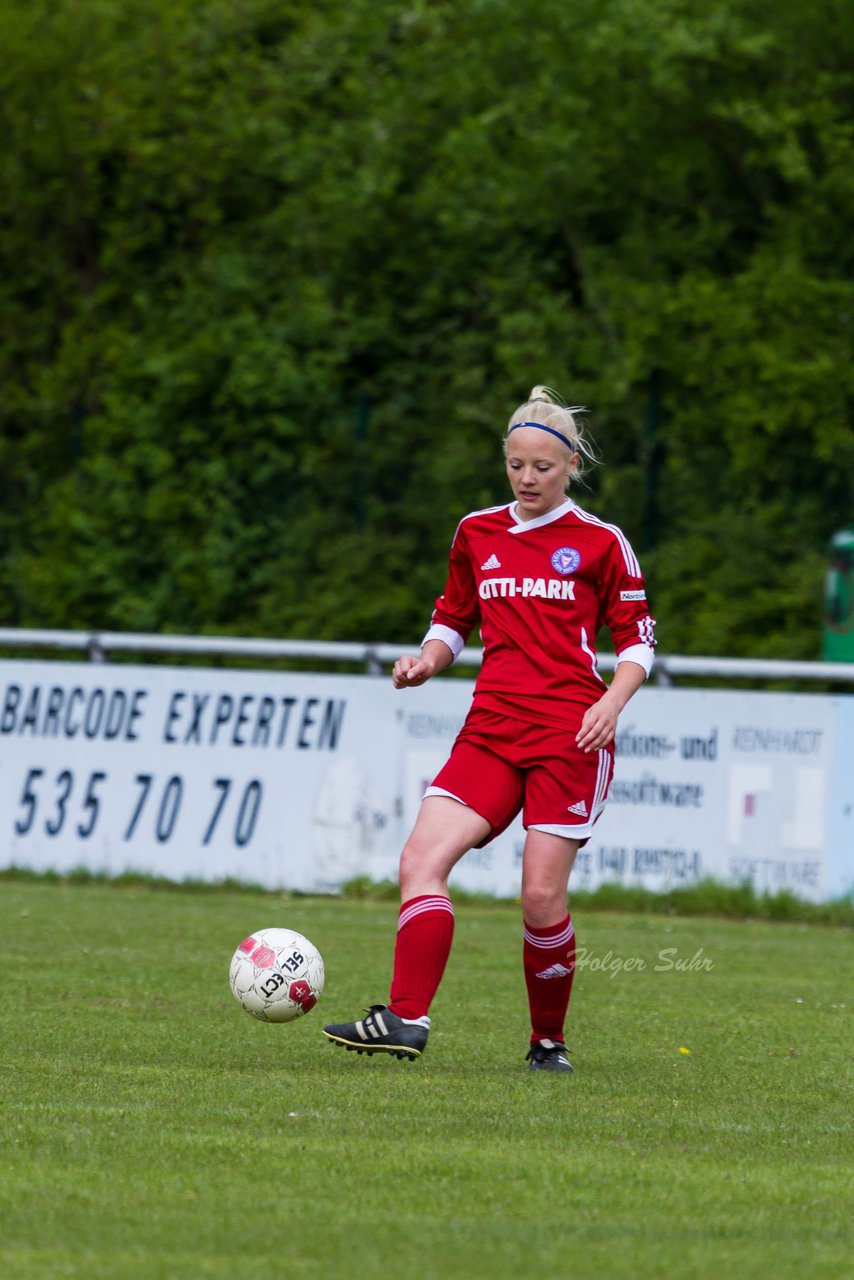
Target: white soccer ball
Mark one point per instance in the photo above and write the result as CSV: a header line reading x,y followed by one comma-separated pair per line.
x,y
277,975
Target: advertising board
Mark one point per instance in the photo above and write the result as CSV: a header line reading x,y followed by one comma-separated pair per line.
x,y
308,781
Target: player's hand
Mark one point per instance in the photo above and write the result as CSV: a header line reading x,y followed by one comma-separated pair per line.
x,y
599,725
408,672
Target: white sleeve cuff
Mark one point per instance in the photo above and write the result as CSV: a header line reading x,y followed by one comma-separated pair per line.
x,y
639,653
452,639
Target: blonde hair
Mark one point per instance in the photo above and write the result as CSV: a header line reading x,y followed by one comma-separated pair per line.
x,y
546,408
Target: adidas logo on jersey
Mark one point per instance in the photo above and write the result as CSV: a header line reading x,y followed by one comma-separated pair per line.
x,y
580,809
492,563
555,971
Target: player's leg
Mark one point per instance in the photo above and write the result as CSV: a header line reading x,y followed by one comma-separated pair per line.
x,y
549,944
475,795
565,794
444,830
473,798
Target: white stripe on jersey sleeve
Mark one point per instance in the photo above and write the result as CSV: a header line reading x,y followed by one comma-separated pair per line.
x,y
646,631
640,653
631,561
448,636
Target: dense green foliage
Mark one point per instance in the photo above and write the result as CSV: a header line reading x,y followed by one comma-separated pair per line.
x,y
275,275
152,1131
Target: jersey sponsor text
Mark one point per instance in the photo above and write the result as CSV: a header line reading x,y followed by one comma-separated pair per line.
x,y
545,588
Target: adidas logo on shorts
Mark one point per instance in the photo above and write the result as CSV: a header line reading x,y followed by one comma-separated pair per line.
x,y
580,809
492,563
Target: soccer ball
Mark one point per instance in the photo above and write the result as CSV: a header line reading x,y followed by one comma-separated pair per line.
x,y
277,975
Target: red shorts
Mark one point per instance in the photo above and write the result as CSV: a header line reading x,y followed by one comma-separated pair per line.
x,y
499,766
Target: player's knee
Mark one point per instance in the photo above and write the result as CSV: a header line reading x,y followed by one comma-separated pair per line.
x,y
543,905
416,866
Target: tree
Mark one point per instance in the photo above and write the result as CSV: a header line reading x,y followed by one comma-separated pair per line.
x,y
278,278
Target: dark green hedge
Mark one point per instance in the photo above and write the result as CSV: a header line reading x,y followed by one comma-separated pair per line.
x,y
274,276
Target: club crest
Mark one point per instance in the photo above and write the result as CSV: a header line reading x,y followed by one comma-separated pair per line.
x,y
565,560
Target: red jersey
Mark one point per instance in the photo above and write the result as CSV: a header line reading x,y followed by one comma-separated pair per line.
x,y
540,590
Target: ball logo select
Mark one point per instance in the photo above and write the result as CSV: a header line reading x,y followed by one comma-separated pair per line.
x,y
566,560
277,975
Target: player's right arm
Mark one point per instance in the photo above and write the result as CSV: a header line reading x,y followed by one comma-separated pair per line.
x,y
456,613
410,671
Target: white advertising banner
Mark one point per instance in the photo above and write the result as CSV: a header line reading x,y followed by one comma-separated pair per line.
x,y
733,786
275,779
730,785
841,848
308,781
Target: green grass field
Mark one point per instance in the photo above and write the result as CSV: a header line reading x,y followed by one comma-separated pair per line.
x,y
151,1129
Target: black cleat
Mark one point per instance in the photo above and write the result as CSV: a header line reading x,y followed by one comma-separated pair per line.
x,y
382,1032
548,1055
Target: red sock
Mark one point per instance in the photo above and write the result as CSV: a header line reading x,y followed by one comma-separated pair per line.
x,y
425,931
549,959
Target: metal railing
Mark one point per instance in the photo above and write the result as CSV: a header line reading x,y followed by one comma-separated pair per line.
x,y
98,645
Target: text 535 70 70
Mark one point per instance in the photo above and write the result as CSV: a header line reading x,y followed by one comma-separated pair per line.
x,y
145,806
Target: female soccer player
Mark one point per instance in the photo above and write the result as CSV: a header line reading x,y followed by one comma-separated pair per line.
x,y
539,576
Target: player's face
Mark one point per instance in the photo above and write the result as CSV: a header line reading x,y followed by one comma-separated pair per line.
x,y
538,467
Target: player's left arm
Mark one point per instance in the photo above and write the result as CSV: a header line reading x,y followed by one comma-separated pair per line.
x,y
626,614
599,725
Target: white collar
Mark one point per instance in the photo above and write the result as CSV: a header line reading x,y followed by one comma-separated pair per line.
x,y
538,522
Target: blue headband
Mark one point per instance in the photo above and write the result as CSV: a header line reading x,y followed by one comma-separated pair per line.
x,y
551,431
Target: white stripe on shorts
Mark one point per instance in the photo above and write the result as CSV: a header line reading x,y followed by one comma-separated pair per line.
x,y
581,830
